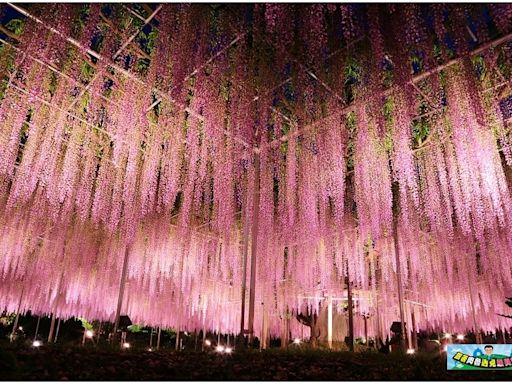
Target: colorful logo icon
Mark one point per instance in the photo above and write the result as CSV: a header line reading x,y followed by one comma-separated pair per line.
x,y
479,356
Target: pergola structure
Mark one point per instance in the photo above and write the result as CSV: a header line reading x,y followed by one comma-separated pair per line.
x,y
181,163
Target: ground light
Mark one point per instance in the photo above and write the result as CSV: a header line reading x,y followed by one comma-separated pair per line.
x,y
150,349
411,351
37,343
89,334
219,348
447,335
296,341
228,350
460,337
207,342
126,345
20,328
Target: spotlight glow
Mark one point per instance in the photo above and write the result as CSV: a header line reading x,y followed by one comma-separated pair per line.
x,y
207,342
20,328
460,337
445,348
296,341
89,334
411,351
447,336
219,348
150,349
228,350
126,345
37,343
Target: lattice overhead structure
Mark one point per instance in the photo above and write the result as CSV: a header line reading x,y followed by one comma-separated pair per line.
x,y
153,157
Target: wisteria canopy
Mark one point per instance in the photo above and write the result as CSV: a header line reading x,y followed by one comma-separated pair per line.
x,y
174,139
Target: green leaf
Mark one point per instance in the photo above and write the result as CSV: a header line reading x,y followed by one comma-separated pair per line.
x,y
15,26
88,326
134,328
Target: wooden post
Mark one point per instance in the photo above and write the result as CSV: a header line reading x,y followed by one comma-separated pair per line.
x,y
176,347
329,321
122,284
52,326
398,270
254,243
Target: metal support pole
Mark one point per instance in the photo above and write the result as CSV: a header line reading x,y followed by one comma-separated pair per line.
x,y
99,333
414,335
15,326
475,326
408,310
57,331
366,330
37,327
151,337
55,305
254,243
399,276
329,321
158,338
245,250
122,284
350,314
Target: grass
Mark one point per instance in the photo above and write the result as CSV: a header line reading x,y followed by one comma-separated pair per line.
x,y
78,363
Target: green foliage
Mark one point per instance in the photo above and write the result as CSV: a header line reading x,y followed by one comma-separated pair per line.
x,y
86,70
88,326
479,66
142,65
134,328
7,319
15,26
420,130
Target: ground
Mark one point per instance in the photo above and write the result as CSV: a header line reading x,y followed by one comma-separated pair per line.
x,y
78,363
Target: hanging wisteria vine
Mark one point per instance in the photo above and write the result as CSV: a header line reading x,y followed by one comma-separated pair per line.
x,y
147,135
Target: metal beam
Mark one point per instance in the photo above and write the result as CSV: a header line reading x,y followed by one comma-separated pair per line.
x,y
254,243
387,92
120,69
